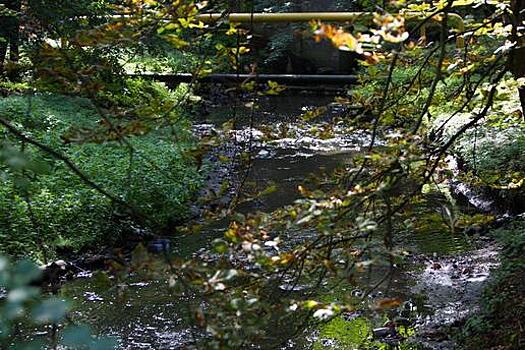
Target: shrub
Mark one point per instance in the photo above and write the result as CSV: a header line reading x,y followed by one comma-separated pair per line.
x,y
55,206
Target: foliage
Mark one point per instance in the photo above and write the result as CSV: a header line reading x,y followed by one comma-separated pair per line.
x,y
352,334
53,208
63,18
497,324
492,149
392,186
23,303
171,62
348,334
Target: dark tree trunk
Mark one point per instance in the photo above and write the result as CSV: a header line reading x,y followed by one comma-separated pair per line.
x,y
517,56
9,31
521,91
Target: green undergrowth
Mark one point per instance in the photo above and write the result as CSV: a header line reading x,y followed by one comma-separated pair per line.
x,y
408,94
355,334
500,322
346,334
45,207
165,64
493,150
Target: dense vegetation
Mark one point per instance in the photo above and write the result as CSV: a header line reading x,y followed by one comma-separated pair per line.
x,y
47,207
95,161
498,323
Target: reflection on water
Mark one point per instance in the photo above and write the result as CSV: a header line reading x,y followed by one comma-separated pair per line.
x,y
143,316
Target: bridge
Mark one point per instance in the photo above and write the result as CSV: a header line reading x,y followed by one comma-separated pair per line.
x,y
454,20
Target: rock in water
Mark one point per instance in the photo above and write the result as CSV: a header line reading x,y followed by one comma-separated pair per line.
x,y
383,332
159,246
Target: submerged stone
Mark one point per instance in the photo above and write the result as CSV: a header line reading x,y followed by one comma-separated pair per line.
x,y
159,246
383,332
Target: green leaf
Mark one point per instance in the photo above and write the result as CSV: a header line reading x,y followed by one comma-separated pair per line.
x,y
25,272
220,246
12,311
50,311
22,294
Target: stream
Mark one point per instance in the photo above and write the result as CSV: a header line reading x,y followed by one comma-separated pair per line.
x,y
442,281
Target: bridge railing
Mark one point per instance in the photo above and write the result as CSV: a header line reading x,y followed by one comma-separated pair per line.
x,y
454,19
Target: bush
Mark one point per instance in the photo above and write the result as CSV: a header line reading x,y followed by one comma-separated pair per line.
x,y
49,207
493,150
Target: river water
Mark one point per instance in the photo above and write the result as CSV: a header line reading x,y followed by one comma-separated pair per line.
x,y
442,282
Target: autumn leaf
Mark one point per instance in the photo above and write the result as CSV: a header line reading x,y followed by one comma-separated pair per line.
x,y
388,303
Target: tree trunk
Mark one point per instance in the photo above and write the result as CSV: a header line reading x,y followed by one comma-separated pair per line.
x,y
521,91
517,56
9,31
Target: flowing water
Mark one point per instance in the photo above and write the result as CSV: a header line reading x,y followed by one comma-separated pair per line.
x,y
444,280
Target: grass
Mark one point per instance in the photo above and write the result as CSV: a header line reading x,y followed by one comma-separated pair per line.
x,y
354,334
46,208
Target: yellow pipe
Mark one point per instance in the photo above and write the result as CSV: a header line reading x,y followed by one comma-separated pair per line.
x,y
283,17
455,19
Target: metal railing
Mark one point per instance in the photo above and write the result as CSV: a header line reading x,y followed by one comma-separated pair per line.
x,y
454,19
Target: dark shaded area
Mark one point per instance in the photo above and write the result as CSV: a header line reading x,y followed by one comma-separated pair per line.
x,y
9,32
303,79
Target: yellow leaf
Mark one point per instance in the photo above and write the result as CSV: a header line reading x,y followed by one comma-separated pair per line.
x,y
175,40
388,303
310,304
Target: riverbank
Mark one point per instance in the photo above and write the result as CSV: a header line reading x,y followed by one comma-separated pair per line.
x,y
500,323
489,170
